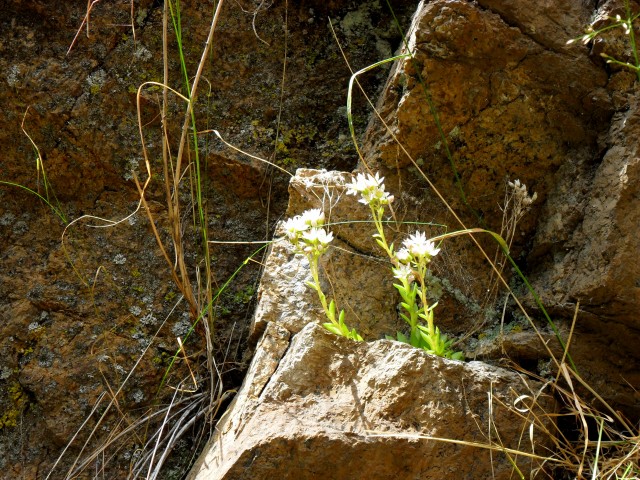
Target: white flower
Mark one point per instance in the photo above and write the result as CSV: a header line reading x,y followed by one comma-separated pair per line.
x,y
403,272
516,185
403,255
317,236
313,217
376,195
521,193
419,247
364,182
293,227
316,241
306,234
370,188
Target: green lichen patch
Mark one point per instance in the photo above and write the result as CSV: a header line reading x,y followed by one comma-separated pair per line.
x,y
16,403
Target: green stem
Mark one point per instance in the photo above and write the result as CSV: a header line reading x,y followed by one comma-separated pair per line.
x,y
425,306
313,262
632,38
377,213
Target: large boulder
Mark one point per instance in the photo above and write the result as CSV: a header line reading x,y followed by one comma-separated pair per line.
x,y
321,406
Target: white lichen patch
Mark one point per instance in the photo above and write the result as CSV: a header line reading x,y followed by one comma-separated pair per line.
x,y
131,166
149,319
7,219
97,79
181,328
34,326
13,76
119,259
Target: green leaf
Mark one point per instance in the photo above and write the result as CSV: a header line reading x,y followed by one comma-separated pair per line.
x,y
401,289
332,310
457,356
355,336
416,339
332,328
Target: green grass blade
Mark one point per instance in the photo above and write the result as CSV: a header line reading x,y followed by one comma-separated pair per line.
x,y
55,209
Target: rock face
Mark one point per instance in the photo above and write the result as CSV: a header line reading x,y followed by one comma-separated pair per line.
x,y
515,102
74,319
315,405
495,84
320,406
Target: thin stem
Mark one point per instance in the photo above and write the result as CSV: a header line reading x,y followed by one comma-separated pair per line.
x,y
377,213
632,38
313,262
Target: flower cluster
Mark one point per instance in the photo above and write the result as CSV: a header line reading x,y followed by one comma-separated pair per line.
x,y
417,250
306,232
372,193
410,267
520,192
618,21
307,235
626,22
586,38
371,190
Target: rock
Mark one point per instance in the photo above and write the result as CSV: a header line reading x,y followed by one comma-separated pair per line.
x,y
75,318
508,107
515,102
548,23
320,406
340,409
585,251
593,217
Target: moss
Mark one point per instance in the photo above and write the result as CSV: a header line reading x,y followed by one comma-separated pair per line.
x,y
289,140
163,359
245,295
516,328
18,402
